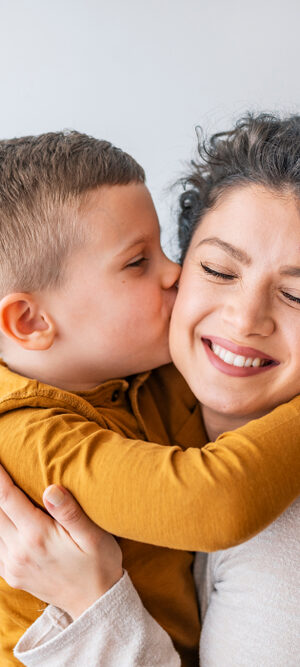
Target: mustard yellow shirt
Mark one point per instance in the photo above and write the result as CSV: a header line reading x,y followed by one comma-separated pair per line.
x,y
166,498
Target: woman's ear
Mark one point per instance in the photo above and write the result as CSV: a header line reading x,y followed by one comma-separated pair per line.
x,y
22,320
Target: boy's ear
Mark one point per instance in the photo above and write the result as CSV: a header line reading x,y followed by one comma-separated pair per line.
x,y
22,320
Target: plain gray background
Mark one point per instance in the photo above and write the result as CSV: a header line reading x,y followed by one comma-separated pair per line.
x,y
144,74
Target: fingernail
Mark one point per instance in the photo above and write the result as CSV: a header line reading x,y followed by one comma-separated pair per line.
x,y
55,496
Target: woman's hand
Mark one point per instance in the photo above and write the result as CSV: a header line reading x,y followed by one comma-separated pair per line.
x,y
69,562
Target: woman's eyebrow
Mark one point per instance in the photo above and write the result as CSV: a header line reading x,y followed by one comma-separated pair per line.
x,y
232,250
290,271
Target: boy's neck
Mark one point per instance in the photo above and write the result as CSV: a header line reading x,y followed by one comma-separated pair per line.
x,y
56,374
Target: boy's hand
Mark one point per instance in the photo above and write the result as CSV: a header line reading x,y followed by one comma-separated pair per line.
x,y
69,562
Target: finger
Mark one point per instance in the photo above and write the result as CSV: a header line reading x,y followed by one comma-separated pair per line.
x,y
3,549
68,513
15,504
7,527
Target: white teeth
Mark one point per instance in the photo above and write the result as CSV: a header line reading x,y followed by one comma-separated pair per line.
x,y
239,361
229,358
235,359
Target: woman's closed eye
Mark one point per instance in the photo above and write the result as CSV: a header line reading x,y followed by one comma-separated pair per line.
x,y
291,297
214,273
217,274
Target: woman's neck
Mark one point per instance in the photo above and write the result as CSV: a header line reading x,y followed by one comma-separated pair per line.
x,y
216,423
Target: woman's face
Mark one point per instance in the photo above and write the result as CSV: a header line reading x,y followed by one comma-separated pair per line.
x,y
235,329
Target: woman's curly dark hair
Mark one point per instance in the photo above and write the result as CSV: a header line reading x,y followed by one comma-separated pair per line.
x,y
263,149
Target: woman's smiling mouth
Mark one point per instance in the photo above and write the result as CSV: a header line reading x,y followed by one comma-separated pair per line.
x,y
236,360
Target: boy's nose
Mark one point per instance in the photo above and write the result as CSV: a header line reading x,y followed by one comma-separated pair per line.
x,y
170,274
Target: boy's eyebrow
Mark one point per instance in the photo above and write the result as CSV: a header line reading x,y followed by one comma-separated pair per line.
x,y
137,241
232,250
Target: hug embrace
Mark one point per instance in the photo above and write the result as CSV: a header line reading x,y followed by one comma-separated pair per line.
x,y
202,455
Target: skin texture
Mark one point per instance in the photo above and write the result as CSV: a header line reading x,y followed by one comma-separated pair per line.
x,y
111,317
255,303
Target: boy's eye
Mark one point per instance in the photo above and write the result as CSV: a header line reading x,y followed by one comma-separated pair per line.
x,y
138,261
217,274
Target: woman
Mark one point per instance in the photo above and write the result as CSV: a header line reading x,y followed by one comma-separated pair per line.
x,y
234,336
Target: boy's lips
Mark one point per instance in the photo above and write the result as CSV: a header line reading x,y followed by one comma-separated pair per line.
x,y
236,360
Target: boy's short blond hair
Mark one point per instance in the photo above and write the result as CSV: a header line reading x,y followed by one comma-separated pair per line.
x,y
44,181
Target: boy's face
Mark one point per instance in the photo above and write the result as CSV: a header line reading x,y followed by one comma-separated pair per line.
x,y
113,312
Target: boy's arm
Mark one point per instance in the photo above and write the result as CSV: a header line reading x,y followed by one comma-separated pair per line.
x,y
194,499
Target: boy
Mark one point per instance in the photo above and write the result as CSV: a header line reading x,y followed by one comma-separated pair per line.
x,y
86,297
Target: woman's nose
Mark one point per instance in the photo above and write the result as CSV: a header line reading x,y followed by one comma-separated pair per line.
x,y
249,314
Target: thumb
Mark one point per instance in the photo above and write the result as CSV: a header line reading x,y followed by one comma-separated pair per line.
x,y
67,512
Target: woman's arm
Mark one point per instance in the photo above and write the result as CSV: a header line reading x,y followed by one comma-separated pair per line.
x,y
55,559
115,630
75,565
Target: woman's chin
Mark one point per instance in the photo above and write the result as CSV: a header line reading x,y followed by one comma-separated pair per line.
x,y
235,406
